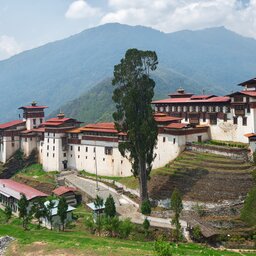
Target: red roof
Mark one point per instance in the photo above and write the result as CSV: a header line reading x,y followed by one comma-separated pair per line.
x,y
194,97
100,127
11,124
10,186
55,121
62,190
33,107
166,118
249,93
176,125
189,100
248,135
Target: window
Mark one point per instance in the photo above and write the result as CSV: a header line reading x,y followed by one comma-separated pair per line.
x,y
71,155
220,109
213,109
78,156
41,120
86,149
71,148
47,154
235,120
53,155
26,139
207,109
86,157
244,121
225,118
186,116
103,159
121,161
12,138
112,160
34,121
228,109
31,139
47,147
213,119
94,150
163,139
13,144
108,150
79,149
174,140
248,109
53,141
53,148
194,108
94,158
48,140
200,109
64,154
204,117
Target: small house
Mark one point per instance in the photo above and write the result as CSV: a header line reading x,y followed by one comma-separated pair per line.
x,y
68,193
56,223
96,210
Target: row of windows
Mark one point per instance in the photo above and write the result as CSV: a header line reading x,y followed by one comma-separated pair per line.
x,y
108,150
193,109
173,141
103,159
244,120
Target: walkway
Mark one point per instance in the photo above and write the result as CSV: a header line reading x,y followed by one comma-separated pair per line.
x,y
124,205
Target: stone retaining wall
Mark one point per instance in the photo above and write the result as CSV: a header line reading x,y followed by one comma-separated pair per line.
x,y
233,153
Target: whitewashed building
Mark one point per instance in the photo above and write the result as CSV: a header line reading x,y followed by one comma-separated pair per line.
x,y
183,117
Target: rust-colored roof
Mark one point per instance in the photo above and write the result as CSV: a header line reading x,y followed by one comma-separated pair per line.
x,y
248,135
189,100
15,189
198,97
33,107
100,127
62,190
176,125
160,119
11,124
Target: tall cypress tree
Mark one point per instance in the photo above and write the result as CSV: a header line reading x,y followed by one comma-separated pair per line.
x,y
134,115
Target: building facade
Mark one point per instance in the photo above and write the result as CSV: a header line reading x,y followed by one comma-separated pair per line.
x,y
183,117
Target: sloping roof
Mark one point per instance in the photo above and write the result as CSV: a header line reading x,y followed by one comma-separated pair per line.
x,y
251,93
176,125
15,189
55,121
248,82
249,135
11,124
166,118
100,127
194,97
33,107
62,190
189,100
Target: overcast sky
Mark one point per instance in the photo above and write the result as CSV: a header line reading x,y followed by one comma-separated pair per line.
x,y
25,24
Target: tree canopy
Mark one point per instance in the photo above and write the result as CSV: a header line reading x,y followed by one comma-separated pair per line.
x,y
134,115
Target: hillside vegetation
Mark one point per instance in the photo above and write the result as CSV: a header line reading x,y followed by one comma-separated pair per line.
x,y
212,59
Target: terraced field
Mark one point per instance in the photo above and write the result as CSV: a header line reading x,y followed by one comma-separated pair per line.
x,y
202,177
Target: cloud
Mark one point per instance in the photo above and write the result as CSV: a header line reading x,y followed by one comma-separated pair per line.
x,y
8,46
174,15
81,9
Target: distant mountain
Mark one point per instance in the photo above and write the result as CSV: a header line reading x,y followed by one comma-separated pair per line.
x,y
212,59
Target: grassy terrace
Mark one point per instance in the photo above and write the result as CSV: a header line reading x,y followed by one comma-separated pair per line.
x,y
77,241
34,176
224,143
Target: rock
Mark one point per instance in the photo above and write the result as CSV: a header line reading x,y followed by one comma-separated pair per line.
x,y
4,242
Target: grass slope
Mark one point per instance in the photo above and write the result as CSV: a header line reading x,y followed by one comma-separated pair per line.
x,y
78,242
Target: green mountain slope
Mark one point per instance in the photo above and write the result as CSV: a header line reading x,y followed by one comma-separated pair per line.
x,y
216,59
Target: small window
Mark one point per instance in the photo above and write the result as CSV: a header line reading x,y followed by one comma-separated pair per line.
x,y
71,155
174,140
94,150
78,149
235,120
86,157
248,109
53,155
34,121
103,159
53,148
228,109
86,149
244,121
41,120
64,154
121,161
47,147
225,118
13,144
220,109
78,156
71,148
12,138
47,154
112,160
204,117
163,139
26,139
108,150
53,141
93,158
48,140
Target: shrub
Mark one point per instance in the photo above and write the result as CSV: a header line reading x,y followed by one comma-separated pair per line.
x,y
90,224
197,234
111,225
162,248
125,228
8,213
248,213
199,209
146,225
146,207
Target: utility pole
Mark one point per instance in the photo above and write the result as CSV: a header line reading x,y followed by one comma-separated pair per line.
x,y
96,169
